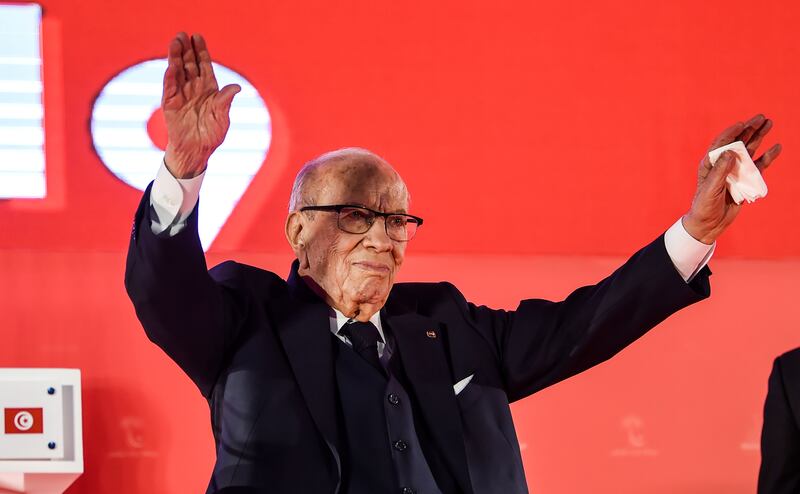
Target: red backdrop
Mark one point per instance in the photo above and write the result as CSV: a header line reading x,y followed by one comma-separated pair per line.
x,y
542,142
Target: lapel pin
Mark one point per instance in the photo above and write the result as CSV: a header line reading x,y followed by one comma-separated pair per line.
x,y
430,333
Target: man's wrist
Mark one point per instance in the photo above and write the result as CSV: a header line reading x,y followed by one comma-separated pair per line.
x,y
688,254
182,166
697,231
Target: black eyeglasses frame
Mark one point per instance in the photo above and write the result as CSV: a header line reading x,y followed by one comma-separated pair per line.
x,y
337,208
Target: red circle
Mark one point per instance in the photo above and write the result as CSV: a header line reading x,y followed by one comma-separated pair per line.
x,y
157,129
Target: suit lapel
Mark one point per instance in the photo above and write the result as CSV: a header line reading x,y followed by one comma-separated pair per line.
x,y
422,351
301,321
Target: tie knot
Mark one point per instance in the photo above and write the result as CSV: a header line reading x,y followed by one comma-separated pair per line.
x,y
364,337
362,334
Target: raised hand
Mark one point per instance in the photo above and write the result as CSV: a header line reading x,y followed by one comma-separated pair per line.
x,y
713,209
196,111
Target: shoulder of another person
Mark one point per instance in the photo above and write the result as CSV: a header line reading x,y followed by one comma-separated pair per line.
x,y
790,362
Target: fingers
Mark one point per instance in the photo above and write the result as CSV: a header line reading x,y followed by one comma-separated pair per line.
x,y
204,61
751,133
727,136
191,68
768,157
175,61
750,128
188,61
174,76
755,140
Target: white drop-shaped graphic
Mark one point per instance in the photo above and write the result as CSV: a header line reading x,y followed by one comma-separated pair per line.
x,y
119,131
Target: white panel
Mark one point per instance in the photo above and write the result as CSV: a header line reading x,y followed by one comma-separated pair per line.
x,y
32,394
22,172
21,111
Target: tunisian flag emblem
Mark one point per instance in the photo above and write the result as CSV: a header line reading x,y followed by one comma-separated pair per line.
x,y
23,421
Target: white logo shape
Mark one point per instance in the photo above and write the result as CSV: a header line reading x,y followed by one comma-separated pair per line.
x,y
23,421
119,130
633,427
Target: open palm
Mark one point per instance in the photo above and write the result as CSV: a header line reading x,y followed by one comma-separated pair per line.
x,y
196,111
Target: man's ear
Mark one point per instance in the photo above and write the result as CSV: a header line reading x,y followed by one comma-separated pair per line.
x,y
295,224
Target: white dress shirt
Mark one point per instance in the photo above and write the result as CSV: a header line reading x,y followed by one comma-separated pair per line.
x,y
337,320
173,200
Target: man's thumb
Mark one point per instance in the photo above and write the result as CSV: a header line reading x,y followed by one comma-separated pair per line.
x,y
227,93
722,167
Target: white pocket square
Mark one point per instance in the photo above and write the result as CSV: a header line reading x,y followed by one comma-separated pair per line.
x,y
460,385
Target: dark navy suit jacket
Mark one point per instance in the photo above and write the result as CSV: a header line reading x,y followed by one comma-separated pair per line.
x,y
259,349
780,436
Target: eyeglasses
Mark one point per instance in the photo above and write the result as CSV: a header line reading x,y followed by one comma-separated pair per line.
x,y
357,219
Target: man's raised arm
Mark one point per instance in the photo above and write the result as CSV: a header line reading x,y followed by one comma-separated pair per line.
x,y
544,342
187,313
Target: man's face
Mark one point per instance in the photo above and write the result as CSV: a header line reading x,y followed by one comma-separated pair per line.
x,y
355,271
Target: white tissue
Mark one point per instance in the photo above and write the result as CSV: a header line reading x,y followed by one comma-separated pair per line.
x,y
744,181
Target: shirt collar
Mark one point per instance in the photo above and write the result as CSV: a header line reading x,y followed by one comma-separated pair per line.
x,y
338,320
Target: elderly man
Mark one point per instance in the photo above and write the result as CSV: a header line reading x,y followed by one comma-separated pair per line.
x,y
339,380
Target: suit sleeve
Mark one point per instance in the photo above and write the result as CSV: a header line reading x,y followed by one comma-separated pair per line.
x,y
543,342
780,439
191,315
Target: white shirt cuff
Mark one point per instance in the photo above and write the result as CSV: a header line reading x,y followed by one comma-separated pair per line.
x,y
688,254
173,199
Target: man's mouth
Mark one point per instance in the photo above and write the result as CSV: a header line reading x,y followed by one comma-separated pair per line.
x,y
372,266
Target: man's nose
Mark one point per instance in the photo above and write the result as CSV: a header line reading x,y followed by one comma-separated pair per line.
x,y
376,236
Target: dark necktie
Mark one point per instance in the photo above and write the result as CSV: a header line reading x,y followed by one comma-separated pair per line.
x,y
364,336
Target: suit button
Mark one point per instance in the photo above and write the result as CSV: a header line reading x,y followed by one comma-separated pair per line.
x,y
400,445
407,490
393,399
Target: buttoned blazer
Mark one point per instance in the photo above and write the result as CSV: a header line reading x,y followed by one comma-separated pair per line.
x,y
259,349
780,435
